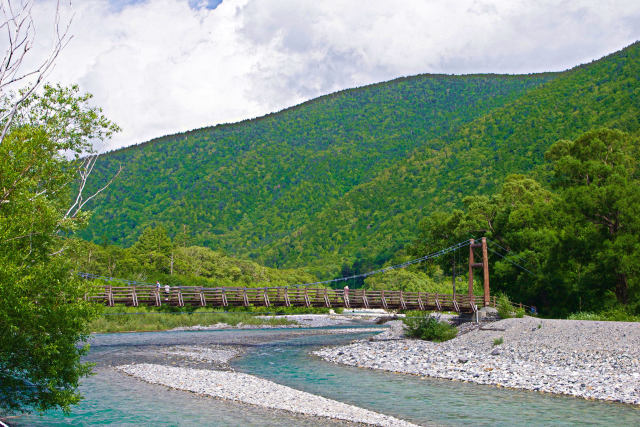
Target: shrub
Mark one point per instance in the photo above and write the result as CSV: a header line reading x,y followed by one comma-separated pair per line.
x,y
505,308
520,312
430,329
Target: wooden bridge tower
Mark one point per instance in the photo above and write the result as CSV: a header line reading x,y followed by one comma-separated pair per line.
x,y
485,268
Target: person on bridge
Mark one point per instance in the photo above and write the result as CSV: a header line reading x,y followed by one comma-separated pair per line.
x,y
158,286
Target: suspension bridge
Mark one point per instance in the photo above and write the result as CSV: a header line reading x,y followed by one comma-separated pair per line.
x,y
314,294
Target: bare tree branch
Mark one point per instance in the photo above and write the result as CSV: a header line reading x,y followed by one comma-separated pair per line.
x,y
18,23
85,171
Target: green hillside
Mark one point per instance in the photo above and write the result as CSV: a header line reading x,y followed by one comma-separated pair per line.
x,y
242,186
376,218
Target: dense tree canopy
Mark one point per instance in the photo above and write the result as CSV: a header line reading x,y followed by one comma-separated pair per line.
x,y
598,179
569,247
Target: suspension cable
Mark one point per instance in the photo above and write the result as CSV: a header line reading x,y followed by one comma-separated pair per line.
x,y
508,260
506,250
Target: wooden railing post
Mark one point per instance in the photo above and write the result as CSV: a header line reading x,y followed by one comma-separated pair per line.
x,y
307,302
420,303
266,298
180,300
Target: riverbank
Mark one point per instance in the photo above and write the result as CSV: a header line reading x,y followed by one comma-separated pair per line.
x,y
586,359
207,320
145,321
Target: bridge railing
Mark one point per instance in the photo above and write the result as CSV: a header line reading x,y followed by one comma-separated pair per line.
x,y
281,297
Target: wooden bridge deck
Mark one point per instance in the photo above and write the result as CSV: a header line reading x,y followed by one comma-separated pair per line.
x,y
133,295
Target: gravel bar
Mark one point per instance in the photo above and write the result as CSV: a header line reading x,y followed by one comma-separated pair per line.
x,y
220,355
300,321
255,391
587,359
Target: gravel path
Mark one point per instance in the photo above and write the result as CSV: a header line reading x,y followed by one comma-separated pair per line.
x,y
588,359
255,391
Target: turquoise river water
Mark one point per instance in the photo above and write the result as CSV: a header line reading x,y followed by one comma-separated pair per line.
x,y
283,357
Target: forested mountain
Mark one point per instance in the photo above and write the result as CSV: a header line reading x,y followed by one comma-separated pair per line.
x,y
239,187
376,218
347,177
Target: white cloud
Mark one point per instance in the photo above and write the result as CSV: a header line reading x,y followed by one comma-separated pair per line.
x,y
164,66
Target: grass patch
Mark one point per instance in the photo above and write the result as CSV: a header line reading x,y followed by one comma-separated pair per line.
x,y
498,341
124,319
614,315
504,307
430,329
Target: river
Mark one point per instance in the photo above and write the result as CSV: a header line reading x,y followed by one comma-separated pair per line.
x,y
282,355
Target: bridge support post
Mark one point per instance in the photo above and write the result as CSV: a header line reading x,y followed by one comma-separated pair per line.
x,y
471,301
485,270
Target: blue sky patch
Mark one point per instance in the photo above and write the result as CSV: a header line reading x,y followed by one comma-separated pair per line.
x,y
118,5
209,4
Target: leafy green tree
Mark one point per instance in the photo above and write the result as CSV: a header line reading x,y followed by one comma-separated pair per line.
x,y
42,312
598,178
154,250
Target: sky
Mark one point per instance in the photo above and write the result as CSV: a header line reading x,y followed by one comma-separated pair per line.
x,y
158,67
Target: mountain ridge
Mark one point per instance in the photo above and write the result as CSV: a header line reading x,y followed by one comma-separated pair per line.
x,y
325,147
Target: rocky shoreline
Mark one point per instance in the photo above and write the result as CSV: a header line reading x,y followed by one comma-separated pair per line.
x,y
586,359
